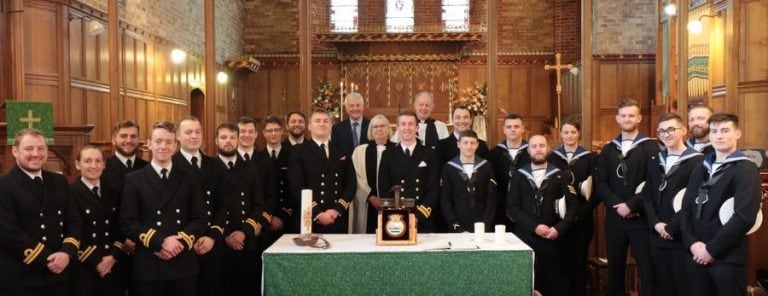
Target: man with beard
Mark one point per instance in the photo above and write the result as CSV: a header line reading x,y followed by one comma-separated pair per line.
x,y
162,210
415,168
447,148
297,125
279,209
209,178
697,124
350,133
324,168
125,138
247,138
430,131
534,193
720,249
40,229
666,176
508,156
243,226
621,167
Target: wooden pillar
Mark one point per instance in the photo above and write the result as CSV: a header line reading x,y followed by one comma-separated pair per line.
x,y
305,57
682,59
586,72
17,49
117,112
492,66
209,102
733,58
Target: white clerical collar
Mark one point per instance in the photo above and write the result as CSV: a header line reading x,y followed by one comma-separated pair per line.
x,y
189,156
124,160
158,168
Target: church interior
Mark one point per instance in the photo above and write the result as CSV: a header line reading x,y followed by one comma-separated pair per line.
x,y
101,61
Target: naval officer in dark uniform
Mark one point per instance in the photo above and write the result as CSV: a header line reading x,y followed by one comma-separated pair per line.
x,y
39,223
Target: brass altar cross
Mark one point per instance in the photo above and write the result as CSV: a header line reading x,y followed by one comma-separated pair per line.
x,y
559,89
29,119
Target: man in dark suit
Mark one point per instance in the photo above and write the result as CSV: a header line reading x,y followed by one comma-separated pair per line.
x,y
698,116
323,167
720,249
429,130
447,148
162,211
125,138
279,208
98,269
243,223
246,142
209,173
415,168
507,157
351,131
621,167
40,229
296,123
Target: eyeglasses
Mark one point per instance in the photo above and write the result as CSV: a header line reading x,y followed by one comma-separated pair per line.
x,y
272,130
669,131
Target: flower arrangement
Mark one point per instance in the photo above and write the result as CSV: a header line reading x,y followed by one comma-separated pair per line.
x,y
327,97
474,97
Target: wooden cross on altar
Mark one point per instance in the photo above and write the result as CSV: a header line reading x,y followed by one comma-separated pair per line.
x,y
29,120
559,89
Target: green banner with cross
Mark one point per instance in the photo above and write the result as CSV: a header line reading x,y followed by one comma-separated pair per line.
x,y
28,114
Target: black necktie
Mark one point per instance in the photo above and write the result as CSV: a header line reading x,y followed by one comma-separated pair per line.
x,y
247,157
322,146
274,154
164,173
407,152
230,164
95,190
194,162
129,164
37,180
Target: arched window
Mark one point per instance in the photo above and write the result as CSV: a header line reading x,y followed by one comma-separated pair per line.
x,y
344,15
399,16
456,15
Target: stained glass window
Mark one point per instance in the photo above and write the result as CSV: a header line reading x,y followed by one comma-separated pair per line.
x,y
344,15
399,16
456,15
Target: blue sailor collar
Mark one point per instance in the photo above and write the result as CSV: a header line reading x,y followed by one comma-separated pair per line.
x,y
638,140
691,142
736,156
527,171
523,145
456,163
580,151
687,153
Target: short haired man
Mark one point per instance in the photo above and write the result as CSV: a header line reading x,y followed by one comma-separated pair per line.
x,y
667,175
279,209
324,168
40,230
719,250
350,132
416,169
162,210
533,198
468,187
448,148
296,123
698,126
125,139
246,142
621,167
430,130
508,156
209,173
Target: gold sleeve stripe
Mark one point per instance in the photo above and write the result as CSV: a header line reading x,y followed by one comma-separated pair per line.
x,y
288,211
218,228
314,204
267,216
85,254
256,226
31,254
72,241
494,182
118,245
424,210
343,203
189,239
147,236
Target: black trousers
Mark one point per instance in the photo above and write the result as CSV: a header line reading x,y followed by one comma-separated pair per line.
x,y
211,266
617,243
57,289
669,265
85,281
179,287
242,271
577,242
550,276
716,279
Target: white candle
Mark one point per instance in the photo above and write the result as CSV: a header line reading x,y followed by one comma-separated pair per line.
x,y
479,231
501,234
306,211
